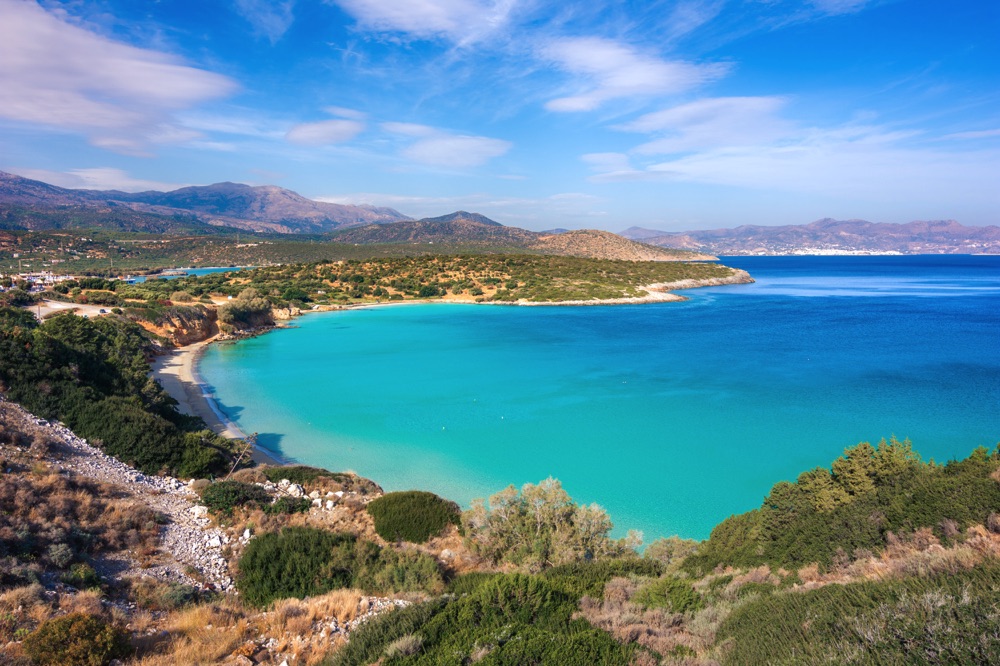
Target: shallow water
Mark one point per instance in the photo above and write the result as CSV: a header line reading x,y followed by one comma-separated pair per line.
x,y
672,416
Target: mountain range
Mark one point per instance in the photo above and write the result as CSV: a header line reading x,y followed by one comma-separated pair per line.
x,y
829,236
264,208
37,206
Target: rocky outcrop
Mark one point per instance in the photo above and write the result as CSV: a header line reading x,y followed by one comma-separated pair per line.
x,y
184,325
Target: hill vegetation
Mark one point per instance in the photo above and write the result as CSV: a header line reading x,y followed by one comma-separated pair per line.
x,y
92,374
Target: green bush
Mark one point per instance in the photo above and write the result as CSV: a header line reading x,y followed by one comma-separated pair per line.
x,y
671,593
589,578
301,561
286,505
81,576
512,619
300,474
78,639
942,619
296,562
413,515
224,496
868,492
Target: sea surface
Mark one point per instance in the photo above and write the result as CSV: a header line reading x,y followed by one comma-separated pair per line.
x,y
671,416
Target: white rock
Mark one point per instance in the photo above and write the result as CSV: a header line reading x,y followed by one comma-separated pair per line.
x,y
246,534
284,483
339,493
330,504
199,511
317,502
214,542
295,490
314,494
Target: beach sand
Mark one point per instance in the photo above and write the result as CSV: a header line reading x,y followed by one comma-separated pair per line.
x,y
178,376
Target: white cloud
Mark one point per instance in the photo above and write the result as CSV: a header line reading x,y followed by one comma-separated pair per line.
x,y
978,134
438,147
269,19
343,112
408,129
611,70
324,132
839,6
459,20
452,150
711,122
120,96
97,178
861,162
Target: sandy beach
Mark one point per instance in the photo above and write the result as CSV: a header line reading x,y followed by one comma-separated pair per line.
x,y
177,373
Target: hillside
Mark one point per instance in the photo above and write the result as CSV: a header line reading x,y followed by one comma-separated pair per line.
x,y
32,204
829,236
472,229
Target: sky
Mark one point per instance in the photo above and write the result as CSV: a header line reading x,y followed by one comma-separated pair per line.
x,y
671,115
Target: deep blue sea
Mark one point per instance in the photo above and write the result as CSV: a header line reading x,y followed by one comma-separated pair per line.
x,y
671,416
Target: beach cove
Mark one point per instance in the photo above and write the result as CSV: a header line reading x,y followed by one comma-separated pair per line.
x,y
671,416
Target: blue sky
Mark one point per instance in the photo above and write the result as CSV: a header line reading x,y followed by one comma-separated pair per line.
x,y
672,115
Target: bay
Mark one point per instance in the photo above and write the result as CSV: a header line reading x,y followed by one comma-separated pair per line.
x,y
671,416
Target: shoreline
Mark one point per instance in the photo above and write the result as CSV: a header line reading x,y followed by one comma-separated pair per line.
x,y
177,372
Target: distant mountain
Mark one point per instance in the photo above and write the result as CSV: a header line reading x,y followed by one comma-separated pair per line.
x,y
474,230
260,208
830,236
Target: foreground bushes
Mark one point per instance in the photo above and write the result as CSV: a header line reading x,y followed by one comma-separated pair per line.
x,y
412,515
511,619
942,619
539,526
78,639
868,492
304,561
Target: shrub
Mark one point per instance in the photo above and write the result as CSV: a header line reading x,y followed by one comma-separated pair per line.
x,y
589,578
671,593
81,576
296,562
539,526
300,474
413,515
78,639
286,505
512,619
223,496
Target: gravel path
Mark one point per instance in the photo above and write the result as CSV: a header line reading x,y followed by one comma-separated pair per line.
x,y
186,536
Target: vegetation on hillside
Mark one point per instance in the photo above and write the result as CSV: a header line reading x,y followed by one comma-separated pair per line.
x,y
92,374
412,515
539,526
832,515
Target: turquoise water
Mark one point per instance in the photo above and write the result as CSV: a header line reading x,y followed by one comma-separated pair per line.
x,y
671,416
192,271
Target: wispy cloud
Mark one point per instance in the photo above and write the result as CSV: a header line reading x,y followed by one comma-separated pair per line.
x,y
442,148
462,21
975,134
96,178
324,132
839,6
609,69
710,123
270,20
121,97
861,161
